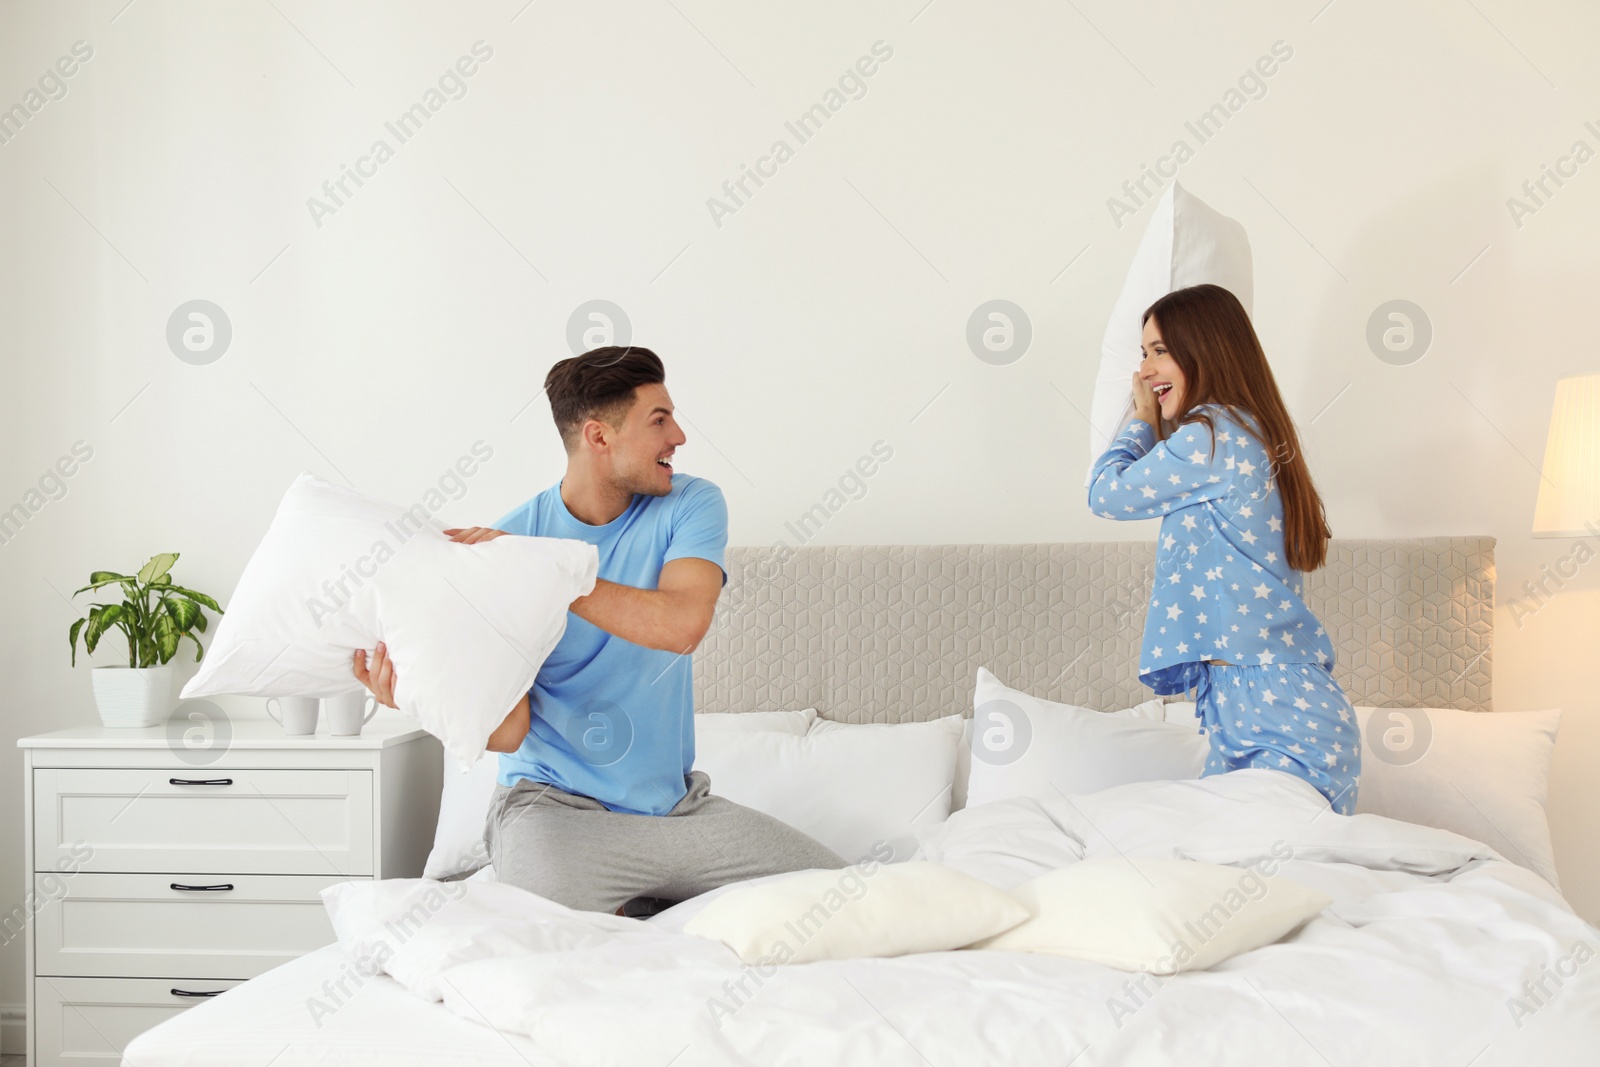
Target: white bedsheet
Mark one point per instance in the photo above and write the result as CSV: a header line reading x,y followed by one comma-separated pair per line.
x,y
1421,959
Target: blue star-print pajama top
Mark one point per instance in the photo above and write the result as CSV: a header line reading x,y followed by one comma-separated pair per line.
x,y
1223,591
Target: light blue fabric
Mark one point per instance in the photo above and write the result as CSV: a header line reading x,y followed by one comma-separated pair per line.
x,y
1222,588
610,719
1291,717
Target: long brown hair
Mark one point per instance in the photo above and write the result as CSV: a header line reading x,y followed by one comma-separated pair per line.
x,y
1209,335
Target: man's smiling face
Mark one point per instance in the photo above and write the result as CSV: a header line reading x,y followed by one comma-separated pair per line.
x,y
642,446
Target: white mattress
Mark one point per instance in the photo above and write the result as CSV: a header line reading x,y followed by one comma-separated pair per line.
x,y
271,1019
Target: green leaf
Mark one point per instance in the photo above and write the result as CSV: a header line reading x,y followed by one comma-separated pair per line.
x,y
184,613
158,565
101,616
100,578
154,630
201,597
164,638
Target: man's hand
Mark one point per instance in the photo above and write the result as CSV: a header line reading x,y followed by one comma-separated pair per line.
x,y
380,679
471,535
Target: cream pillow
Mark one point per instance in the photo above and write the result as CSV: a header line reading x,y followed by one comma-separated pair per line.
x,y
869,909
1161,916
1186,243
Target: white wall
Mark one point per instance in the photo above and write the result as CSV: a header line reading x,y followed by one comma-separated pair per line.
x,y
821,317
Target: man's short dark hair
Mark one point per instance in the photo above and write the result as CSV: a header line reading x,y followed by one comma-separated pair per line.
x,y
599,385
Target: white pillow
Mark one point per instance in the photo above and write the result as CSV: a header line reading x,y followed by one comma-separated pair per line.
x,y
1023,746
467,626
1481,774
1181,712
1150,709
848,786
867,910
1160,916
458,843
1186,243
783,722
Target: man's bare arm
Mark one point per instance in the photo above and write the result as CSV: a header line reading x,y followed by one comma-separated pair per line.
x,y
672,617
508,736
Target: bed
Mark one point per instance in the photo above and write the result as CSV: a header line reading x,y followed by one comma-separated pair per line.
x,y
1437,950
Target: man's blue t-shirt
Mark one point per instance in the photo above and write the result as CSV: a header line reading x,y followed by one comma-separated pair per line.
x,y
610,719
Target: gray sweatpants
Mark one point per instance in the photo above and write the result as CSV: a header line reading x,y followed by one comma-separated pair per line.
x,y
575,851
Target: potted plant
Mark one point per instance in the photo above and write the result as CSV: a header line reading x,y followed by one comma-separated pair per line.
x,y
139,694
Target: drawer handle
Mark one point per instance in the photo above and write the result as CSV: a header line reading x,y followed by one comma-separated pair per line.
x,y
203,888
200,993
200,781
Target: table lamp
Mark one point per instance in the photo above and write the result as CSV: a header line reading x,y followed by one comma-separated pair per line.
x,y
1569,491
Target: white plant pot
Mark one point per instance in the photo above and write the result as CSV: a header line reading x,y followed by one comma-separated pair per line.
x,y
130,697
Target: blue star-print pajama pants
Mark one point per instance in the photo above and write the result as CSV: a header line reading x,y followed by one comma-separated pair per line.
x,y
1291,717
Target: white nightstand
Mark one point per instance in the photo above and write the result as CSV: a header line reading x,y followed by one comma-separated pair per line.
x,y
161,875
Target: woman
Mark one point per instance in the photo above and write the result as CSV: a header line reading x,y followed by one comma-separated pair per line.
x,y
1241,523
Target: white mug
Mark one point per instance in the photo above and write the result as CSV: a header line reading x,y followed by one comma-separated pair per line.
x,y
299,716
348,712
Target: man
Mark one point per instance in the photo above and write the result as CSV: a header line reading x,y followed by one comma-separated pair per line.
x,y
597,804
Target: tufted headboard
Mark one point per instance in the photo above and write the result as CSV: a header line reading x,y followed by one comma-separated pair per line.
x,y
896,633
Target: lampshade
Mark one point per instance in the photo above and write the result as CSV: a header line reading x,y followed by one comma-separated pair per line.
x,y
1569,492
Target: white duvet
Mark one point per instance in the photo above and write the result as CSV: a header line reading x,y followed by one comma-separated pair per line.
x,y
1435,951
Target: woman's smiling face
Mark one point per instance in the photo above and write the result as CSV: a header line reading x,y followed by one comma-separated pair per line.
x,y
1160,371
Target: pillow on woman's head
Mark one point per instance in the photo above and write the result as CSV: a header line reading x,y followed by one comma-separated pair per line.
x,y
1187,243
466,626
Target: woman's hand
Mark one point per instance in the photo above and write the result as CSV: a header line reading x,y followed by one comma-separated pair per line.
x,y
1145,405
380,679
473,534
